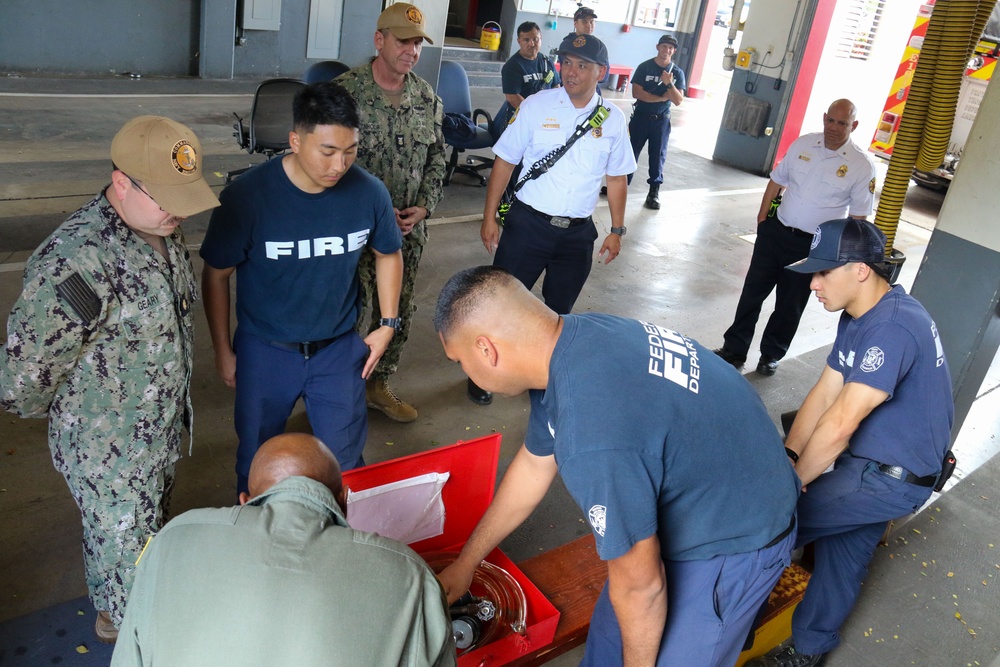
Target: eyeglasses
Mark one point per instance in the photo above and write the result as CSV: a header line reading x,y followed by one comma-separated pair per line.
x,y
140,188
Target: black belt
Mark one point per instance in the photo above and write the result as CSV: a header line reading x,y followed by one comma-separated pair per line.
x,y
784,534
555,220
306,349
904,475
796,231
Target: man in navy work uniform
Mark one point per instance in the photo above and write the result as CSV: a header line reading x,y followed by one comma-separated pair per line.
x,y
525,73
881,412
293,230
692,511
658,83
549,227
823,176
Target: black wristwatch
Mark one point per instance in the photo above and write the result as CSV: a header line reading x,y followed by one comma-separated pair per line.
x,y
393,322
620,231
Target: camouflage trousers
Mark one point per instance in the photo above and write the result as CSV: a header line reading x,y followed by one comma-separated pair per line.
x,y
119,515
413,248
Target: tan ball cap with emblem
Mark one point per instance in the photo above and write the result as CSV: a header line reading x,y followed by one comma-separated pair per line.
x,y
404,21
165,157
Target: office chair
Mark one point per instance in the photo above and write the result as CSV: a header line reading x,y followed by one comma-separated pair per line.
x,y
453,87
270,121
325,70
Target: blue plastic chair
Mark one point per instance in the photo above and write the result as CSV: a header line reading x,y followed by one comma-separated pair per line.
x,y
453,88
325,70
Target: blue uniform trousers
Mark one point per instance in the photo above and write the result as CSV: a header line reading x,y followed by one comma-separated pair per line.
x,y
844,513
269,380
529,245
776,247
655,129
711,605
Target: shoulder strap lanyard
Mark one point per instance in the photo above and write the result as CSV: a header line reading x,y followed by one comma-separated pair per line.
x,y
594,121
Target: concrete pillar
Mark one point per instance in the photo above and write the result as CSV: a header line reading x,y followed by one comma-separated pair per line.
x,y
218,39
959,279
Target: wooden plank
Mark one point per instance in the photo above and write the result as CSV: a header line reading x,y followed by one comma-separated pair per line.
x,y
571,577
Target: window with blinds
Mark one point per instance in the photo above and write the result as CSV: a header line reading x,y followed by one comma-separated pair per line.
x,y
860,24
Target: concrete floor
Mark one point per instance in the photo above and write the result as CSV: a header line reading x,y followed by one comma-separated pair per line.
x,y
682,266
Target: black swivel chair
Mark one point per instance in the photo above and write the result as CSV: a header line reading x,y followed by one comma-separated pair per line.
x,y
325,70
270,121
453,88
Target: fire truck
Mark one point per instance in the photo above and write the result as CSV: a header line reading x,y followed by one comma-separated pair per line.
x,y
977,75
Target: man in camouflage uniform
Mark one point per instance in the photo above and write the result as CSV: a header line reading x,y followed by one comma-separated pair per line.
x,y
401,144
100,342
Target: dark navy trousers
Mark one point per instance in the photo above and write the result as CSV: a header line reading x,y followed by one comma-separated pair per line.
x,y
711,606
776,247
643,128
844,513
529,245
269,380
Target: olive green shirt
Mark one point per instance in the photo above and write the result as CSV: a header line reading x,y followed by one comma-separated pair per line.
x,y
282,580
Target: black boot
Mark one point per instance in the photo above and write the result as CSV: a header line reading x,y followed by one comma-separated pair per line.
x,y
653,198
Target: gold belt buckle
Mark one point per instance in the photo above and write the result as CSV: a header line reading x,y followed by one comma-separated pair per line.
x,y
559,221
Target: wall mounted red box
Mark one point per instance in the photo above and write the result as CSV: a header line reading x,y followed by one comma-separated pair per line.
x,y
468,492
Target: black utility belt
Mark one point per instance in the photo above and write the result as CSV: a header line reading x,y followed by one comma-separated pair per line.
x,y
653,116
783,535
560,221
307,348
796,231
904,475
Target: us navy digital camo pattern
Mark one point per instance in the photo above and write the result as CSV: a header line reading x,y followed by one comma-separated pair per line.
x,y
404,148
100,342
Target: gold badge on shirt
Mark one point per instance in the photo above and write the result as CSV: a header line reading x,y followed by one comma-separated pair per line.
x,y
871,186
597,132
842,170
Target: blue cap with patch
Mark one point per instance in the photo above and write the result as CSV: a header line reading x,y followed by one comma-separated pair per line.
x,y
587,47
839,242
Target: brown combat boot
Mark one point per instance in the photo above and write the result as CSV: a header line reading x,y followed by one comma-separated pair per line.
x,y
104,629
379,395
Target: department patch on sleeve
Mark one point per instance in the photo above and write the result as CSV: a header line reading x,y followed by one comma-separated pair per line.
x,y
513,116
598,518
873,359
81,297
871,185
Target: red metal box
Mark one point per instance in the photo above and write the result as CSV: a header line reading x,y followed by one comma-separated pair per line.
x,y
472,467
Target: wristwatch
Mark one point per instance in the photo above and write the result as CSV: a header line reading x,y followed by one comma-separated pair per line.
x,y
620,231
393,322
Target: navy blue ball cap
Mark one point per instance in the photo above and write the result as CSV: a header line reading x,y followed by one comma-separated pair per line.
x,y
839,242
587,47
668,39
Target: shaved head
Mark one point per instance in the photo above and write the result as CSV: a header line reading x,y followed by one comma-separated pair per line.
x,y
844,105
294,455
499,332
472,295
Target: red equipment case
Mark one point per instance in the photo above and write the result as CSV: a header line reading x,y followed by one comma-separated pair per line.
x,y
473,468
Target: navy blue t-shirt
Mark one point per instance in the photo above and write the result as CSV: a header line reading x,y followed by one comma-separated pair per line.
x,y
647,76
654,434
525,77
296,254
895,347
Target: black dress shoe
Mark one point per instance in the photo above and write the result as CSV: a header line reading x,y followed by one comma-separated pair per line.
x,y
477,394
730,357
767,365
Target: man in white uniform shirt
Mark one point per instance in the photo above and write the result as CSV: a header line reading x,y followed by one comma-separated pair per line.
x,y
823,176
549,226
